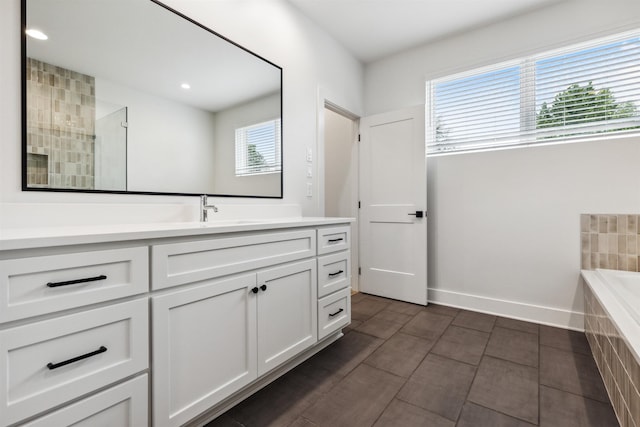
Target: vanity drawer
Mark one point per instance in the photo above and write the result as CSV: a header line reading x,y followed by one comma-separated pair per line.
x,y
124,405
333,239
46,284
178,263
334,312
51,362
334,273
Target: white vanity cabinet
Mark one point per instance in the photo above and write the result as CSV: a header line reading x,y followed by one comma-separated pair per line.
x,y
163,327
71,322
215,336
334,279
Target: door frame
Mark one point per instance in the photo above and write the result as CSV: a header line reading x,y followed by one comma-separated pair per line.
x,y
323,102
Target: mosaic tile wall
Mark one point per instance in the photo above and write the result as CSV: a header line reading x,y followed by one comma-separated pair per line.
x,y
610,241
60,125
38,170
618,367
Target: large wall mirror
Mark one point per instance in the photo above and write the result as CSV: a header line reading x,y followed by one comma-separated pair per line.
x,y
131,96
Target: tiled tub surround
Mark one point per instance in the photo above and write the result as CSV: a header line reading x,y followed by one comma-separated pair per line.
x,y
61,126
613,334
610,241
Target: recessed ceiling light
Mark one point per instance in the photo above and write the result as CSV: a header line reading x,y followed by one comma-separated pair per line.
x,y
36,34
185,86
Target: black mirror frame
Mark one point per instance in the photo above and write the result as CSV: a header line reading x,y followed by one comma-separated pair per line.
x,y
23,68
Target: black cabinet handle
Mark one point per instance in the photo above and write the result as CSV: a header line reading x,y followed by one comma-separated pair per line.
x,y
335,240
336,273
418,214
263,287
102,349
336,313
255,290
75,282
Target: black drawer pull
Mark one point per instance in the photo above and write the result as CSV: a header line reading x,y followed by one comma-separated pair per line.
x,y
75,282
335,240
336,273
102,349
336,313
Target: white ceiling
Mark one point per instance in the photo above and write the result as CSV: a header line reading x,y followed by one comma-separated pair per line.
x,y
141,45
373,29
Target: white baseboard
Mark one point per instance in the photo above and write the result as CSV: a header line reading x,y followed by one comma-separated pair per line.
x,y
515,310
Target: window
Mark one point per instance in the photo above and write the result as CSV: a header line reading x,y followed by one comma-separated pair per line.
x,y
258,148
584,92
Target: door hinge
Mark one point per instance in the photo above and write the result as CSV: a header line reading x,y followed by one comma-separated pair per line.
x,y
358,137
359,204
359,271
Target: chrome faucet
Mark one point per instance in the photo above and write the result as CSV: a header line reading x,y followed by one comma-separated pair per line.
x,y
204,208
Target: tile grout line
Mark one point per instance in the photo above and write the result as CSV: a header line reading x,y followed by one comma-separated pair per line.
x,y
539,369
406,380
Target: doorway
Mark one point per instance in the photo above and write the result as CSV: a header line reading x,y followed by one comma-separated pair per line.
x,y
339,158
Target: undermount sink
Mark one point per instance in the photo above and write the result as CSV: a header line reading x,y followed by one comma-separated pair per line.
x,y
221,223
230,222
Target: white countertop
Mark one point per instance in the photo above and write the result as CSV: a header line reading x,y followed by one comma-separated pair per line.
x,y
26,238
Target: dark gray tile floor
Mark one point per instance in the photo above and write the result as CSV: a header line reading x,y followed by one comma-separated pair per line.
x,y
405,365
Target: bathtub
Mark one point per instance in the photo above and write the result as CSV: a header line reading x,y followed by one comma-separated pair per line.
x,y
619,293
612,326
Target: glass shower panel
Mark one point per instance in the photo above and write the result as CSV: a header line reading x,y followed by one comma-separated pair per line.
x,y
111,151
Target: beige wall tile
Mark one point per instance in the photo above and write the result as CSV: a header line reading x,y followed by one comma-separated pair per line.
x,y
603,243
632,242
613,243
585,222
585,261
622,244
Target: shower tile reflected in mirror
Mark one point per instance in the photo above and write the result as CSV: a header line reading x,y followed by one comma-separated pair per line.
x,y
38,170
61,129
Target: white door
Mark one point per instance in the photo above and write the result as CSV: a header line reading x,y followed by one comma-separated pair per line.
x,y
393,194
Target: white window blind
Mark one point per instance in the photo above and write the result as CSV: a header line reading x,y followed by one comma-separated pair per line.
x,y
258,148
583,92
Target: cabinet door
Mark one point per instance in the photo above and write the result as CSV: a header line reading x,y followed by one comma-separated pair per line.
x,y
204,347
287,312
